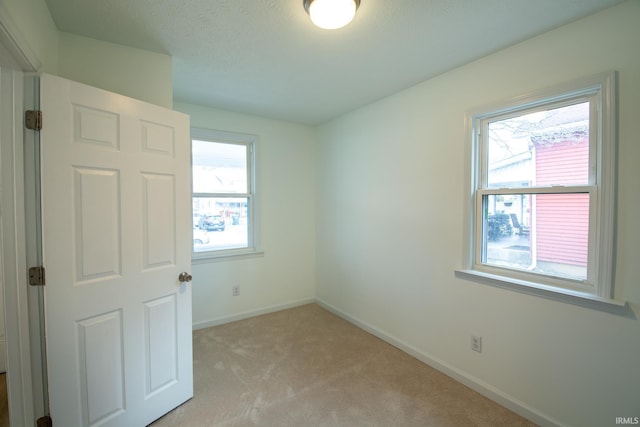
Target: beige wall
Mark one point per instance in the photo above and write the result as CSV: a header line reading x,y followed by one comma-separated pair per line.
x,y
389,232
132,72
285,274
33,28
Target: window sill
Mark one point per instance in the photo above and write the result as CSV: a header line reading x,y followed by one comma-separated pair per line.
x,y
209,257
545,291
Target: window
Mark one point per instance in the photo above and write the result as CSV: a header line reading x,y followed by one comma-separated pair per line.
x,y
222,193
542,191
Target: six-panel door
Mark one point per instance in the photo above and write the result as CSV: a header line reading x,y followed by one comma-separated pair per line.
x,y
116,235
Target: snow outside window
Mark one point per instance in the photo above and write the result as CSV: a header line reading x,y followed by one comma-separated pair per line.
x,y
541,208
222,193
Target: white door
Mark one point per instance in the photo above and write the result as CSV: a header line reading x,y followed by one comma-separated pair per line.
x,y
116,235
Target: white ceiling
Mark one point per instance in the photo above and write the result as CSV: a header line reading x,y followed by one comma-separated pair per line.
x,y
264,57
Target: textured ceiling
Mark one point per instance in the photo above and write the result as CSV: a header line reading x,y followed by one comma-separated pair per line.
x,y
264,57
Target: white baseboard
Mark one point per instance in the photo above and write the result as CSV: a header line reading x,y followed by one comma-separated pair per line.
x,y
465,378
251,313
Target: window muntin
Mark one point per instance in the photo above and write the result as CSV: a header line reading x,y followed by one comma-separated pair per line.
x,y
543,190
222,194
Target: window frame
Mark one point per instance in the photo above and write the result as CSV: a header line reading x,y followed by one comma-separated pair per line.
x,y
250,142
600,90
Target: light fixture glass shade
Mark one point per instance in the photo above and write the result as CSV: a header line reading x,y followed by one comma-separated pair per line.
x,y
332,14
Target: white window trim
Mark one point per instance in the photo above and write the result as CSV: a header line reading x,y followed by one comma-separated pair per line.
x,y
253,249
601,251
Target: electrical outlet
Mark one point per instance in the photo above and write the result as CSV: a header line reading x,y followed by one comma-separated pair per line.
x,y
236,291
476,343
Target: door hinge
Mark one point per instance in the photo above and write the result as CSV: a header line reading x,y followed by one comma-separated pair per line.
x,y
36,276
33,119
45,421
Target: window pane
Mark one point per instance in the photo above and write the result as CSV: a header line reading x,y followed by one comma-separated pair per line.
x,y
220,223
544,233
549,147
219,167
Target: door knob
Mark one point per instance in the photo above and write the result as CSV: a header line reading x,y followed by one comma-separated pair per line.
x,y
184,277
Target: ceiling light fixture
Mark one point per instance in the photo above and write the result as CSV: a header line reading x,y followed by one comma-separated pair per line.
x,y
331,14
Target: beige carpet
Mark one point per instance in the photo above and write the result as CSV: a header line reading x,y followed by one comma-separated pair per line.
x,y
307,367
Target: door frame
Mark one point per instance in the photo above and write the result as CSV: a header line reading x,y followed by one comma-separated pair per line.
x,y
26,384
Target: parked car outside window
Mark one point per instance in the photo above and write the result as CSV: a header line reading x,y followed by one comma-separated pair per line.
x,y
211,222
200,237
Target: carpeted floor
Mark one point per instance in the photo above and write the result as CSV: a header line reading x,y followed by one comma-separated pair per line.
x,y
307,367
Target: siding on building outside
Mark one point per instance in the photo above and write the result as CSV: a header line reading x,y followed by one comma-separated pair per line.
x,y
562,220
